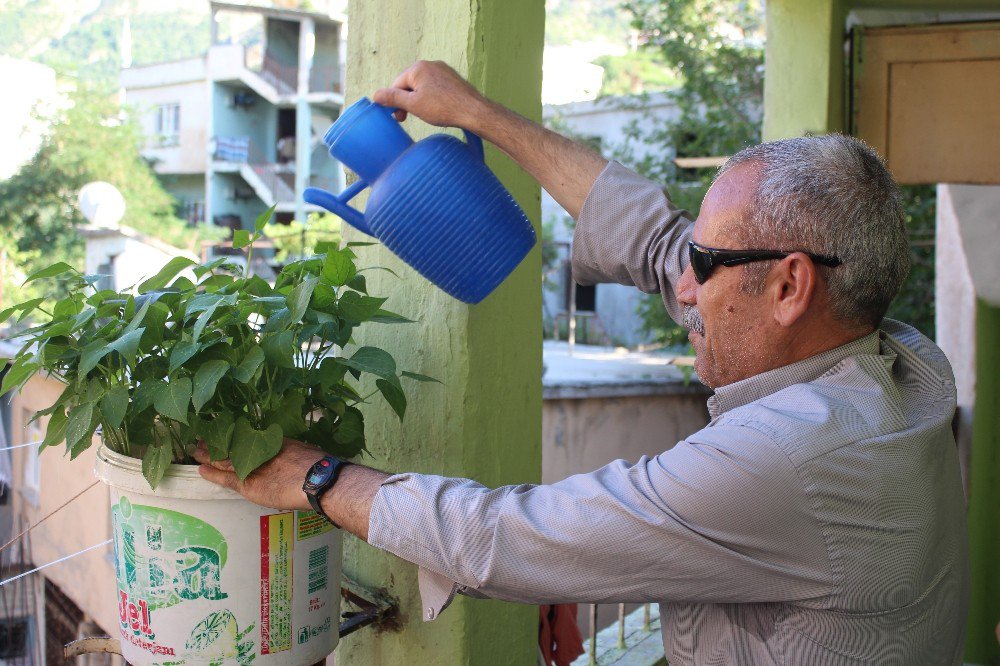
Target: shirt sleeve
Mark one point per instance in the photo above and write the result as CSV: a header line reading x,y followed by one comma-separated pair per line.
x,y
628,232
721,517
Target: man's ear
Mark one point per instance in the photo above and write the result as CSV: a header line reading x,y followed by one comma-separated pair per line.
x,y
793,287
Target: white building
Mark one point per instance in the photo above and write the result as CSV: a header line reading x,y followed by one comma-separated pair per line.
x,y
608,311
239,129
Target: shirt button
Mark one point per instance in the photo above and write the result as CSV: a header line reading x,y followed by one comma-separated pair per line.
x,y
430,613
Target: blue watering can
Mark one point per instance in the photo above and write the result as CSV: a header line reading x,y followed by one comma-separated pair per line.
x,y
433,203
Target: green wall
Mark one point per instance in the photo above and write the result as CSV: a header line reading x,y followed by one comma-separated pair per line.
x,y
981,645
484,421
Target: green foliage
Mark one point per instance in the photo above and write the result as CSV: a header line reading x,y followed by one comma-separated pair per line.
x,y
635,73
87,141
914,304
568,21
224,357
296,240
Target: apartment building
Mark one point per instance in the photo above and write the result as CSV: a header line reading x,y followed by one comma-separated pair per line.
x,y
239,129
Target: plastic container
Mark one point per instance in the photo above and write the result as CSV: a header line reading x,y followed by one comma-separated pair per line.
x,y
435,204
205,577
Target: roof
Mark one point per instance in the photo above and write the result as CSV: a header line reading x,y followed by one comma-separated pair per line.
x,y
277,12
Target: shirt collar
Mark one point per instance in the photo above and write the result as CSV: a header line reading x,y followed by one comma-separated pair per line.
x,y
754,388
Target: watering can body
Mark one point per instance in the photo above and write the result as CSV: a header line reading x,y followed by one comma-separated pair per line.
x,y
434,203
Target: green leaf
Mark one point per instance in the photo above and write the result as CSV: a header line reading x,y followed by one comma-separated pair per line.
x,y
386,317
245,371
128,344
55,430
114,404
182,353
22,370
355,307
263,219
155,463
144,394
28,307
338,268
359,283
349,432
92,355
252,448
172,400
393,394
420,378
288,414
280,349
78,425
374,360
205,381
241,238
298,298
50,271
166,274
7,312
218,435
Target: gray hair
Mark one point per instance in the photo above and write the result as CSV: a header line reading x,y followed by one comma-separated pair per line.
x,y
830,195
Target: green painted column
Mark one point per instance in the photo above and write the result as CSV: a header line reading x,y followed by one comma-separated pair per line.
x,y
981,645
804,59
484,421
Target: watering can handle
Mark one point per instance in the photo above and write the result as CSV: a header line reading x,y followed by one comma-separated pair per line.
x,y
475,143
337,204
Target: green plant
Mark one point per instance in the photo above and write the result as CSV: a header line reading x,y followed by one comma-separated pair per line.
x,y
296,240
225,357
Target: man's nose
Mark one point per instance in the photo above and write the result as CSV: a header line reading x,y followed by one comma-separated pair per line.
x,y
687,288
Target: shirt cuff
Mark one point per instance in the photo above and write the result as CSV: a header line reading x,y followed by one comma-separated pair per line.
x,y
436,590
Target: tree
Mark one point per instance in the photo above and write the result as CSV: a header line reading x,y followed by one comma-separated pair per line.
x,y
716,49
88,140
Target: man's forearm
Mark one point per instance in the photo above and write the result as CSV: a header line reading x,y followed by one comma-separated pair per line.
x,y
566,169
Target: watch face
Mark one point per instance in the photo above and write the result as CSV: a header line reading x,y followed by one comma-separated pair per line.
x,y
320,473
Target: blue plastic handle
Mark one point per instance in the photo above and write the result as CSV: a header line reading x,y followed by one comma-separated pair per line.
x,y
475,143
338,204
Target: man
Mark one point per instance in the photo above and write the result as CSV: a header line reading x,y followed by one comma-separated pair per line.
x,y
818,519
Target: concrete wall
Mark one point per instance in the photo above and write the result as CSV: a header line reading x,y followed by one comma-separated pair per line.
x,y
89,578
259,121
583,434
484,421
282,41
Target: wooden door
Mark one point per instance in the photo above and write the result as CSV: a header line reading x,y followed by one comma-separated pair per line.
x,y
928,99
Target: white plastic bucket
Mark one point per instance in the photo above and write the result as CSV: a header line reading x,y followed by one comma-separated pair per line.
x,y
205,577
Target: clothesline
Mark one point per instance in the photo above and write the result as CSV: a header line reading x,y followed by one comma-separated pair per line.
x,y
61,559
20,446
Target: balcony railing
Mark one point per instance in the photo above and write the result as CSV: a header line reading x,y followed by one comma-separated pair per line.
x,y
634,640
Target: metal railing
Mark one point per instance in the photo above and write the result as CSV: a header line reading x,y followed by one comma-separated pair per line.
x,y
285,78
634,640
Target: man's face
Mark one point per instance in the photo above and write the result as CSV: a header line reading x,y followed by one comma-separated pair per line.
x,y
731,339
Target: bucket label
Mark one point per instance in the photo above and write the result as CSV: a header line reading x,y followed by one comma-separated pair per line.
x,y
276,540
309,524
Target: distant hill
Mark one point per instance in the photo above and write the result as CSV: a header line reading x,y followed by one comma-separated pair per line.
x,y
82,38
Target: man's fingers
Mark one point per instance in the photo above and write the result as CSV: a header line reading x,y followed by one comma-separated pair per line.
x,y
393,97
221,477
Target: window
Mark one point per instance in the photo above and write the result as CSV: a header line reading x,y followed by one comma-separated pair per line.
x,y
14,638
168,124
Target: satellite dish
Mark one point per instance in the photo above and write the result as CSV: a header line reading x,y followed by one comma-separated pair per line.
x,y
102,204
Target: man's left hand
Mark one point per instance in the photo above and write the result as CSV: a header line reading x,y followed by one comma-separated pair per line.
x,y
276,484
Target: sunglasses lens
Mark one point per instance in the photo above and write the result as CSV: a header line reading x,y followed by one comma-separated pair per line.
x,y
701,264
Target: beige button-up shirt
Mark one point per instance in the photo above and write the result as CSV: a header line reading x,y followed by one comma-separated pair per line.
x,y
817,519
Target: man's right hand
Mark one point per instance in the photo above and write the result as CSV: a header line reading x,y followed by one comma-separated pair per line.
x,y
435,93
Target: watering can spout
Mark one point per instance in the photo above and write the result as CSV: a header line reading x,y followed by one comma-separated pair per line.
x,y
338,204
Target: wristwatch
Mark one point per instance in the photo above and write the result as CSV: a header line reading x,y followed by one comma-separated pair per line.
x,y
321,477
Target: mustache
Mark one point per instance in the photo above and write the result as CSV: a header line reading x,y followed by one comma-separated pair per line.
x,y
691,320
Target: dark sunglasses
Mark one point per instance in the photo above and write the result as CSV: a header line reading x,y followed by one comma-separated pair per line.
x,y
705,259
